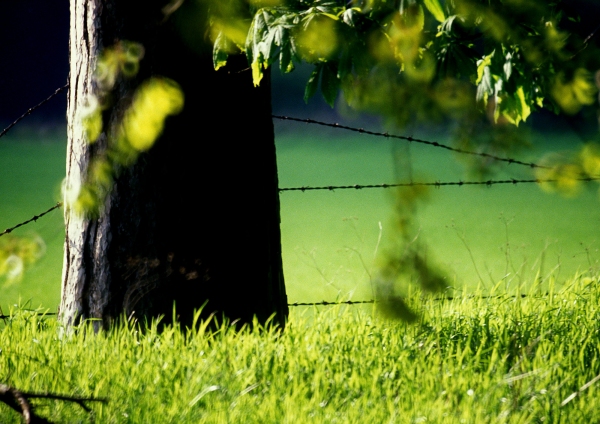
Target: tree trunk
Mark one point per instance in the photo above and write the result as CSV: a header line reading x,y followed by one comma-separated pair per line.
x,y
196,219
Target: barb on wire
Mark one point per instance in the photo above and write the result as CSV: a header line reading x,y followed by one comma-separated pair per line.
x,y
38,314
326,303
436,184
32,109
362,302
34,218
410,138
436,299
321,303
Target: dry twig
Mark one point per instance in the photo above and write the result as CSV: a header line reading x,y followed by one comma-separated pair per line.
x,y
19,401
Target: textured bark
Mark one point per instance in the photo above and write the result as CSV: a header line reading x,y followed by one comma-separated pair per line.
x,y
196,219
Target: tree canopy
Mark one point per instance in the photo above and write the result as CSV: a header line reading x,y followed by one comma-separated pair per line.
x,y
479,63
485,64
438,58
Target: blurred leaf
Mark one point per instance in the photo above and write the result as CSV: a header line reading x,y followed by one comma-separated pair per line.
x,y
92,123
330,83
481,66
313,83
154,100
435,8
571,95
395,307
221,49
508,67
485,85
17,253
590,159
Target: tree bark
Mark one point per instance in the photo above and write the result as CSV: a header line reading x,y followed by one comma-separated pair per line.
x,y
196,219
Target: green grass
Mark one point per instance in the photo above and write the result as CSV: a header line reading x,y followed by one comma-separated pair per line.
x,y
503,233
31,171
468,360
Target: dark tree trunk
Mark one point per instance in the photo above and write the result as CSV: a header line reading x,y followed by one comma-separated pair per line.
x,y
196,219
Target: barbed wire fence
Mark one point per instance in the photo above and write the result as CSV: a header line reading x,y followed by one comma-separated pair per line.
x,y
436,184
33,109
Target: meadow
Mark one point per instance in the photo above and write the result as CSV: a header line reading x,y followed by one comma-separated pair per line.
x,y
503,359
514,338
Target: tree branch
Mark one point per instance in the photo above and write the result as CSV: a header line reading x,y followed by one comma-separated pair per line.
x,y
19,401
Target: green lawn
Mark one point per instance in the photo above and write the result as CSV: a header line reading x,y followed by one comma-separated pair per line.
x,y
31,171
469,360
503,234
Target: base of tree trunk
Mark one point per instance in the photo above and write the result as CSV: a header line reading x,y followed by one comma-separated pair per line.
x,y
195,222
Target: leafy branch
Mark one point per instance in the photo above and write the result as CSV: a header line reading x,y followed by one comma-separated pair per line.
x,y
423,53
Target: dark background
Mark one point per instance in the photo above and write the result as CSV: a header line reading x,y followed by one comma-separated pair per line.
x,y
34,55
34,61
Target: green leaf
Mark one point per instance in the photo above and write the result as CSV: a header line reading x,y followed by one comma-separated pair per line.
x,y
349,16
508,66
285,59
313,83
447,25
280,35
221,51
266,48
481,65
330,83
486,85
525,109
255,35
435,8
257,72
346,61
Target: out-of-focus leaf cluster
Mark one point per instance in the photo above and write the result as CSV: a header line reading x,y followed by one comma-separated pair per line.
x,y
126,138
405,263
565,173
411,59
17,253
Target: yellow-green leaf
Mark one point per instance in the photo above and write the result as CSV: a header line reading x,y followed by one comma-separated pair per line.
x,y
525,108
435,8
257,73
481,65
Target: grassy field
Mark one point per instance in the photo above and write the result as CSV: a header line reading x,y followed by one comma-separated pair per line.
x,y
474,360
479,236
31,170
469,359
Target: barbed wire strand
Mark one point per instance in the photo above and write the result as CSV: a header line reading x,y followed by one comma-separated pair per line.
x,y
411,139
32,109
326,303
34,218
436,184
435,299
353,302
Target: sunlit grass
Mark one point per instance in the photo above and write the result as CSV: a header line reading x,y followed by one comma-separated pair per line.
x,y
31,170
469,359
479,235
